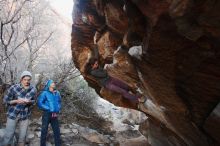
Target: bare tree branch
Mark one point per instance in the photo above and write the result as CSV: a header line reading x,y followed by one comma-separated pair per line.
x,y
15,13
15,49
39,47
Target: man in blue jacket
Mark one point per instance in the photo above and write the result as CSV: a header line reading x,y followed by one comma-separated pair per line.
x,y
50,102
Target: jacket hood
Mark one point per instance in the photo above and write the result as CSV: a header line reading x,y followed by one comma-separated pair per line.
x,y
48,83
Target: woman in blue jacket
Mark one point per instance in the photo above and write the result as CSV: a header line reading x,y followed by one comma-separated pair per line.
x,y
50,102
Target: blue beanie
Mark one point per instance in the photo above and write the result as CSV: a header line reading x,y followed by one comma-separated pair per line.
x,y
47,85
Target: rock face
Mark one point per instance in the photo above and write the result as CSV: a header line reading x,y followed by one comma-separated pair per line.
x,y
211,125
76,135
178,70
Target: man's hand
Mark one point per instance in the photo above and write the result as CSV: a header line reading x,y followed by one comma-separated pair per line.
x,y
27,100
17,101
20,101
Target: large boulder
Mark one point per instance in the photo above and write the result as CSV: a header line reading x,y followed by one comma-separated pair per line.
x,y
178,70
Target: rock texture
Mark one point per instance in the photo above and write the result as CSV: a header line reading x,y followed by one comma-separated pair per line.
x,y
178,70
211,124
76,135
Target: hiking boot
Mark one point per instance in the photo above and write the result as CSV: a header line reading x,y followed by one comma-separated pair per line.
x,y
138,90
142,99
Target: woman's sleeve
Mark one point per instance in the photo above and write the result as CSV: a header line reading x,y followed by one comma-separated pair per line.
x,y
32,95
59,101
41,101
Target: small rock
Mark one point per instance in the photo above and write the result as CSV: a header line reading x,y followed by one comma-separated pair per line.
x,y
75,125
75,131
128,122
38,133
48,144
66,126
35,143
64,131
39,121
136,127
37,129
95,137
30,136
111,138
2,132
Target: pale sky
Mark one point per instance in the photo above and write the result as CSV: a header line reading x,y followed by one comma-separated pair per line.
x,y
64,7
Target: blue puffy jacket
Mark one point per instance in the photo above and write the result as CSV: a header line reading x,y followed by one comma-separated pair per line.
x,y
49,101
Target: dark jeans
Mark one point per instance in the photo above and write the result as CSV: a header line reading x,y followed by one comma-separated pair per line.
x,y
120,87
46,120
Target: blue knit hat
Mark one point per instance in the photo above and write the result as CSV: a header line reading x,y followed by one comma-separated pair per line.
x,y
47,85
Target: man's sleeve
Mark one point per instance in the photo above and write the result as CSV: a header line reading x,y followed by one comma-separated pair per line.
x,y
33,95
8,96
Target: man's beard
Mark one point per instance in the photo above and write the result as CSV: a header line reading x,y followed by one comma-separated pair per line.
x,y
27,84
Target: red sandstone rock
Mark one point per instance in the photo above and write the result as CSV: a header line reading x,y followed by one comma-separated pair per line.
x,y
179,71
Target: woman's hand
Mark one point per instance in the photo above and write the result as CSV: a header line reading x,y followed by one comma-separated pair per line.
x,y
54,115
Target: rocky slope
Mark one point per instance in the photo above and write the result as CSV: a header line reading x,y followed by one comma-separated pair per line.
x,y
175,61
120,128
